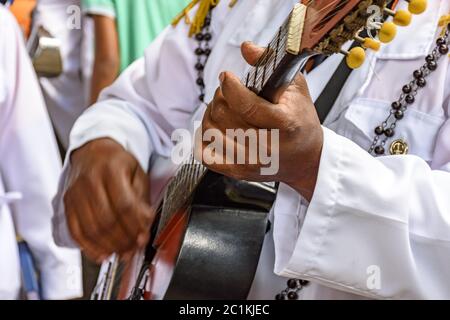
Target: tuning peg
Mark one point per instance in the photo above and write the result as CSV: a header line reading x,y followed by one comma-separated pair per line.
x,y
355,57
402,18
417,6
387,32
369,43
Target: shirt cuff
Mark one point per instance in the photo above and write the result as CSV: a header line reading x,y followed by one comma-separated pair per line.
x,y
334,225
311,236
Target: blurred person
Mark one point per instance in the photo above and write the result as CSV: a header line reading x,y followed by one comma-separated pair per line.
x,y
66,95
29,168
123,29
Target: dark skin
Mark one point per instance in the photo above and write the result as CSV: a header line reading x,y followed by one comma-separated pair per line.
x,y
107,204
294,115
107,57
107,200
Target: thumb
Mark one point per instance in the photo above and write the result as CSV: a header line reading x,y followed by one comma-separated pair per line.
x,y
253,109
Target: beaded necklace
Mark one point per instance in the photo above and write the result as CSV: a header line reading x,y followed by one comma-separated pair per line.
x,y
200,28
386,130
202,52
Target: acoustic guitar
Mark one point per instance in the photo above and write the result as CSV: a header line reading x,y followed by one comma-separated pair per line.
x,y
209,231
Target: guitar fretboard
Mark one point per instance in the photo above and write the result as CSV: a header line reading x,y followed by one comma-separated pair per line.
x,y
275,51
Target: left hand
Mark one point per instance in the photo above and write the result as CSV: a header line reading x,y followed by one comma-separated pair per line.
x,y
300,133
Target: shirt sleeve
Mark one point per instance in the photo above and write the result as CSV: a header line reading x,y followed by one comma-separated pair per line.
x,y
99,7
30,164
377,227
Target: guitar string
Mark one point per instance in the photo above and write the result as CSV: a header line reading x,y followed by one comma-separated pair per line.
x,y
316,14
310,18
258,79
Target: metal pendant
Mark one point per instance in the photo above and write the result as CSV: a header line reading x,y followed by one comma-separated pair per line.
x,y
399,147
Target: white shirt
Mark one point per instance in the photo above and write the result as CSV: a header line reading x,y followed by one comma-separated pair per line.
x,y
386,217
67,96
29,169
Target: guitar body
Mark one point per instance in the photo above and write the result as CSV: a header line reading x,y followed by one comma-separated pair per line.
x,y
208,250
205,242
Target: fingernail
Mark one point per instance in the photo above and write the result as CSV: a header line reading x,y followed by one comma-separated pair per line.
x,y
222,77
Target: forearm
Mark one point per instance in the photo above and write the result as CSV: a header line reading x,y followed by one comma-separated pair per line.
x,y
107,58
104,74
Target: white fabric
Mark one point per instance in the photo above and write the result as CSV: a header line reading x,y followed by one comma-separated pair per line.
x,y
390,214
29,168
67,96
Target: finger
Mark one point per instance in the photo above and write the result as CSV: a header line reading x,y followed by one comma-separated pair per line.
x,y
252,109
219,116
211,150
240,171
107,229
217,109
198,145
104,236
252,53
90,250
141,186
297,90
131,211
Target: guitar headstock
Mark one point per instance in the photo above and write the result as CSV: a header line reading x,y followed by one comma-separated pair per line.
x,y
324,26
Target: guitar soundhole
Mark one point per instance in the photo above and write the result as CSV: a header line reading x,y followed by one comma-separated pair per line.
x,y
330,15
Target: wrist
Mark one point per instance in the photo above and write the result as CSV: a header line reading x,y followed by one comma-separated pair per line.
x,y
305,175
96,147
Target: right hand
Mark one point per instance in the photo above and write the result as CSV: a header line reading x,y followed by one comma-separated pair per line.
x,y
107,201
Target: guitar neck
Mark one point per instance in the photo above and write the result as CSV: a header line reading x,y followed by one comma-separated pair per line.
x,y
280,62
